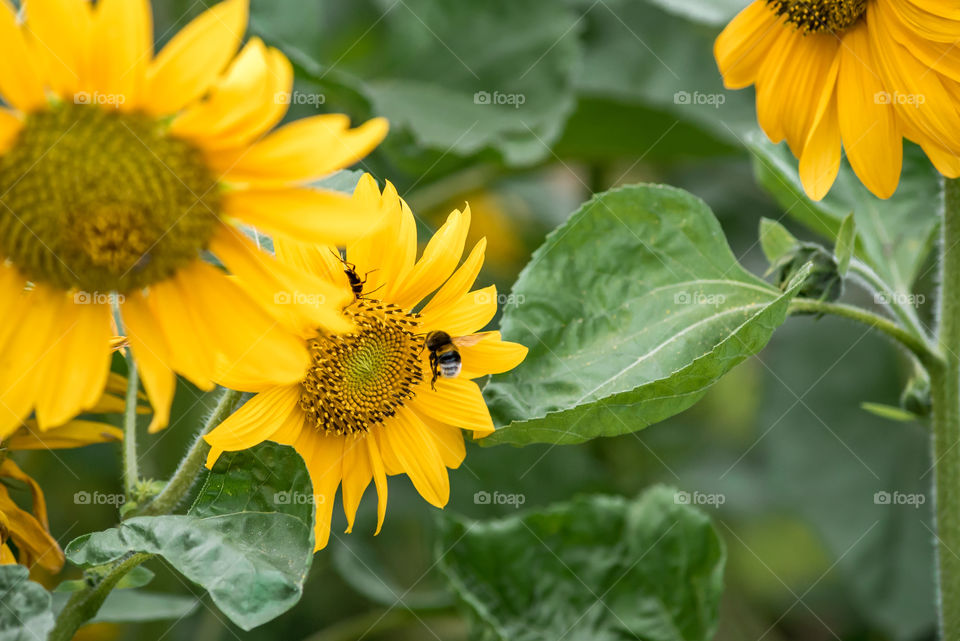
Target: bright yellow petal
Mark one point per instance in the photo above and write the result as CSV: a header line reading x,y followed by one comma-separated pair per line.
x,y
301,151
490,356
120,69
405,439
357,473
152,356
193,60
316,260
379,479
461,281
440,258
21,80
257,421
449,441
76,433
77,363
305,214
302,302
820,160
32,539
457,402
745,43
387,253
323,456
60,33
467,315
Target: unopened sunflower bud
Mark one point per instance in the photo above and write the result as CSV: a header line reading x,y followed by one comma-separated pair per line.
x,y
824,281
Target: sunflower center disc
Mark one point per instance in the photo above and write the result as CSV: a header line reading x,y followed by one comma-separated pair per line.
x,y
820,16
359,379
103,201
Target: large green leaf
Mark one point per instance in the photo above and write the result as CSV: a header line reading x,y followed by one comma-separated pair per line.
x,y
25,613
248,538
894,236
598,569
458,77
631,310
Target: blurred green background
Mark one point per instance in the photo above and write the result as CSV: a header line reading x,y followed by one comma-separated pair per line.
x,y
592,97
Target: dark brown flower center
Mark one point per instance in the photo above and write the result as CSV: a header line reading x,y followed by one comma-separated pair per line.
x,y
98,200
360,379
820,16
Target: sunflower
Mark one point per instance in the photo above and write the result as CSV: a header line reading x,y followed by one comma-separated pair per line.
x,y
122,173
863,74
367,407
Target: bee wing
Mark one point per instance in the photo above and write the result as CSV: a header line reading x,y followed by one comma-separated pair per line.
x,y
470,341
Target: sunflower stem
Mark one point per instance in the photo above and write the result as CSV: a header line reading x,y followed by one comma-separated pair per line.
x,y
131,466
192,464
945,389
85,604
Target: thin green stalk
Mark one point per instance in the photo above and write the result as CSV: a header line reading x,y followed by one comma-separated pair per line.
x,y
904,311
945,390
917,345
189,469
83,605
131,467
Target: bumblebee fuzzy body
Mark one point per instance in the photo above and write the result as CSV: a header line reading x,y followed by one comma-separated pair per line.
x,y
445,359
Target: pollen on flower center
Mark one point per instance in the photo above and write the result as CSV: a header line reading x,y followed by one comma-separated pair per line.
x,y
820,16
359,379
99,200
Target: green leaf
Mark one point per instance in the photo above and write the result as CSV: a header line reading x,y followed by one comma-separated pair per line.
x,y
129,606
846,240
248,538
894,236
25,614
890,412
775,240
599,568
631,310
454,79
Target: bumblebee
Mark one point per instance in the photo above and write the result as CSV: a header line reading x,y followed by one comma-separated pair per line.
x,y
445,360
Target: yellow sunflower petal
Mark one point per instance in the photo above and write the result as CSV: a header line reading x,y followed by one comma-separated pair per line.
x,y
61,31
121,68
76,365
937,21
309,215
744,45
76,433
406,440
193,60
256,421
357,473
303,302
21,81
440,258
32,539
467,315
316,260
387,253
449,441
491,356
152,356
10,126
301,151
461,281
6,555
868,126
9,469
379,479
820,160
218,333
457,402
323,456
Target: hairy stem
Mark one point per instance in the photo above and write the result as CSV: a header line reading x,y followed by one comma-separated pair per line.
x,y
131,467
83,605
945,389
916,344
189,469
